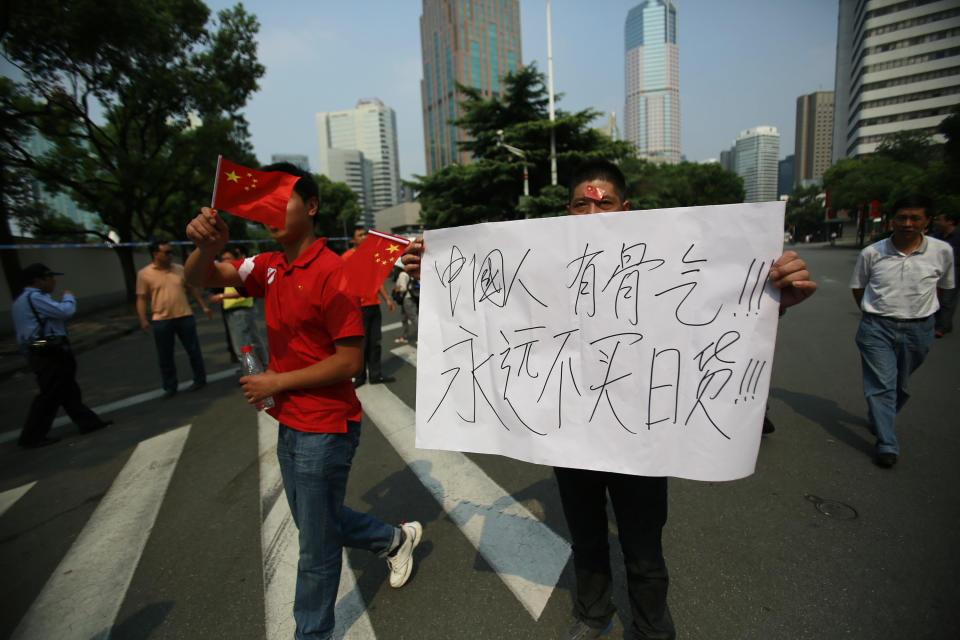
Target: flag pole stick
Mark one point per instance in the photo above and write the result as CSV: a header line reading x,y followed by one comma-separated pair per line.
x,y
216,180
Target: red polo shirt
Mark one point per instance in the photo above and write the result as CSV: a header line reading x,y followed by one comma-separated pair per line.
x,y
305,313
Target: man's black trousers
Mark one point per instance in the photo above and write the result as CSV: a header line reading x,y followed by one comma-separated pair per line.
x,y
640,506
56,376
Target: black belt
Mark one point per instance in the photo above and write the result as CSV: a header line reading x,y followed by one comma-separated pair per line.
x,y
875,315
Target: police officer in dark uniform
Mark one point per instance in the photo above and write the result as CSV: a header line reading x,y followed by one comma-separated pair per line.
x,y
42,338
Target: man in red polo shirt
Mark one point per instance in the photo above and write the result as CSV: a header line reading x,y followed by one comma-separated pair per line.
x,y
372,319
315,336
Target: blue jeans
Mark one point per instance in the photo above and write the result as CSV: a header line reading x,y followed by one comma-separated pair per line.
x,y
315,467
184,328
890,350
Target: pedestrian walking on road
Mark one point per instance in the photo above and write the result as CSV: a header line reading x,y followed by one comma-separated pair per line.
x,y
39,321
896,283
162,283
639,502
315,334
240,316
404,292
948,232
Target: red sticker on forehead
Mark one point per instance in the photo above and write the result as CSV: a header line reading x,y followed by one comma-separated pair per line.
x,y
593,193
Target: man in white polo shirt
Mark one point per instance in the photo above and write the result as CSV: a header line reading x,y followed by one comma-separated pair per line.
x,y
896,283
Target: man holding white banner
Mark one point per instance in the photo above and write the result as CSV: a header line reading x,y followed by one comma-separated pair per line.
x,y
531,344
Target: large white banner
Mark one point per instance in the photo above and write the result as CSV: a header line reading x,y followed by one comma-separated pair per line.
x,y
639,342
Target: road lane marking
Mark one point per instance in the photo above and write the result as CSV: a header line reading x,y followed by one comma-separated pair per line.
x,y
407,353
124,403
9,498
527,555
150,395
280,548
83,595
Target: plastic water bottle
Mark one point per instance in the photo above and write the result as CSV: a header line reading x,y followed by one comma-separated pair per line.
x,y
251,365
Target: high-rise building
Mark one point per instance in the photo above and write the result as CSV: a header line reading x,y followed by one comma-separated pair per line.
x,y
813,144
473,42
785,176
298,160
755,154
898,69
651,120
359,146
58,203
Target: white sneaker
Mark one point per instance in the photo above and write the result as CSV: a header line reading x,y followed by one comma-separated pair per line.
x,y
401,564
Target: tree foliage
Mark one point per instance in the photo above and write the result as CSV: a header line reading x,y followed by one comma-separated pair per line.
x,y
805,210
138,97
905,163
653,185
338,212
489,189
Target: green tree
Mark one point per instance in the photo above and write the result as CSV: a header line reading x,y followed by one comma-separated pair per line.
x,y
805,210
652,185
338,212
138,97
489,189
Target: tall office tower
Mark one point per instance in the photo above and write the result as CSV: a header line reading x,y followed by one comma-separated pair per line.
x,y
56,203
755,160
359,146
298,160
652,115
785,176
898,69
813,143
473,42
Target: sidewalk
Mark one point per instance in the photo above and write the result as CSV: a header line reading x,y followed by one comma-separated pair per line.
x,y
86,332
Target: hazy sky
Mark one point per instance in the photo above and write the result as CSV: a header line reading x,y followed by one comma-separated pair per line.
x,y
743,63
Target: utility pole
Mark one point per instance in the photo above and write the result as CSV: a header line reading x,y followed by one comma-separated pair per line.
x,y
553,136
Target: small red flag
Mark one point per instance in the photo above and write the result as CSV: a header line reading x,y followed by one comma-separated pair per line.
x,y
594,193
365,269
256,195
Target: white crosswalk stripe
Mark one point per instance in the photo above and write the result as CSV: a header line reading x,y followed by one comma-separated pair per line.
x,y
281,549
82,597
9,498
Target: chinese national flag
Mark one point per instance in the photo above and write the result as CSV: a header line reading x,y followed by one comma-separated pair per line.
x,y
256,195
365,269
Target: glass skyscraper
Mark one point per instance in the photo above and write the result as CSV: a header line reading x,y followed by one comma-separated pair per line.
x,y
755,154
652,113
473,42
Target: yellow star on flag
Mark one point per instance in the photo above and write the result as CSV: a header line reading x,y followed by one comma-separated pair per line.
x,y
393,248
233,177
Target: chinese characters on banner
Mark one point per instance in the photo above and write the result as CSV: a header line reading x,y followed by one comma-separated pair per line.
x,y
638,342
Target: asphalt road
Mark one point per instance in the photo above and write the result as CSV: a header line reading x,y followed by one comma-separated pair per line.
x,y
819,543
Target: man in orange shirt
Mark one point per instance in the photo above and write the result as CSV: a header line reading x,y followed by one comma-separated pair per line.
x,y
162,283
372,319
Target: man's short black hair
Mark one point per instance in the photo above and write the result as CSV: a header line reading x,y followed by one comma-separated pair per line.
x,y
306,187
914,201
597,169
156,244
952,216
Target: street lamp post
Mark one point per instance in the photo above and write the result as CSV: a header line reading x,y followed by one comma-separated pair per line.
x,y
553,136
523,158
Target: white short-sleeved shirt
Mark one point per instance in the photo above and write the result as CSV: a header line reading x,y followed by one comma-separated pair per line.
x,y
901,286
